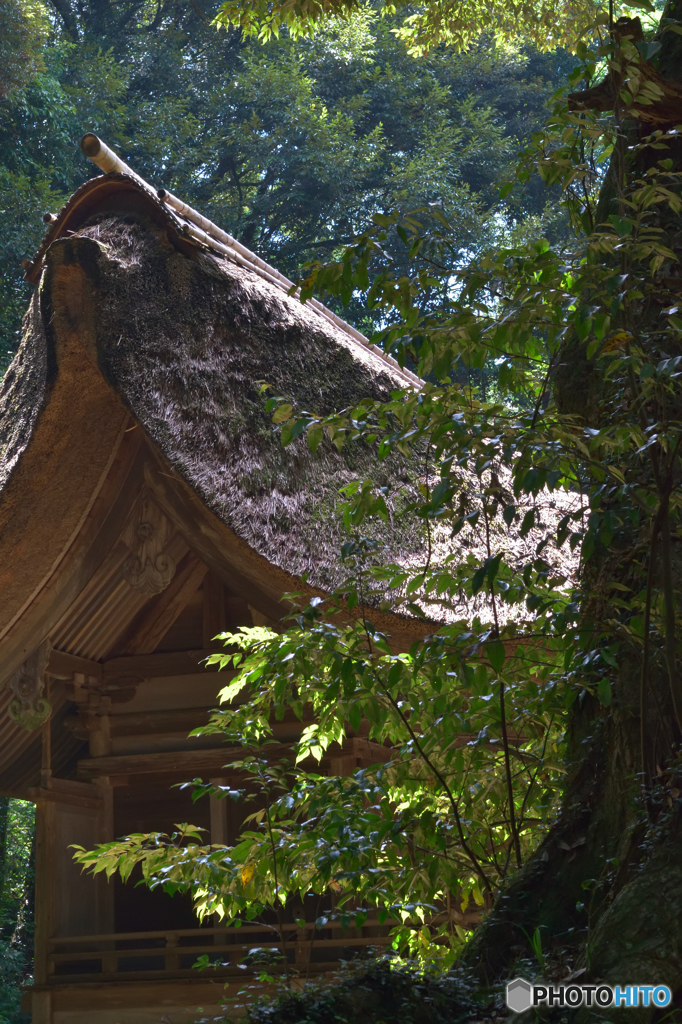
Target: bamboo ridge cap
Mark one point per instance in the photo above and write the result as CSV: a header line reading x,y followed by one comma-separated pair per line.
x,y
105,158
209,234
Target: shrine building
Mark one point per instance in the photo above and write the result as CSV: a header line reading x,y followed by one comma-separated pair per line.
x,y
147,504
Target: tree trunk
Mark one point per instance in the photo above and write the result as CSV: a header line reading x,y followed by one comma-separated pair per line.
x,y
606,884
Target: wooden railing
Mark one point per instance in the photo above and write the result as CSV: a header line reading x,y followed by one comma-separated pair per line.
x,y
171,954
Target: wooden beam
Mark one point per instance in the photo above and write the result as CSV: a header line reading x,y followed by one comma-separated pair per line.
x,y
177,762
68,791
154,666
356,752
87,551
117,993
64,666
258,581
165,608
151,723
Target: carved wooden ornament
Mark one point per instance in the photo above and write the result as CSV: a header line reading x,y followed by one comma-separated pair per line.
x,y
149,569
28,707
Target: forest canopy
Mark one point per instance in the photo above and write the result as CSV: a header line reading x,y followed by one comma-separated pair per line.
x,y
545,24
291,146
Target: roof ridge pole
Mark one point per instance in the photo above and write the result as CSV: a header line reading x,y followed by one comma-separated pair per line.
x,y
211,242
105,158
248,257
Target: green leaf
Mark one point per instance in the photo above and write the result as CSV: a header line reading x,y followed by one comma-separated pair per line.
x,y
355,716
645,5
283,413
496,653
314,436
527,522
604,692
622,225
509,514
493,568
478,579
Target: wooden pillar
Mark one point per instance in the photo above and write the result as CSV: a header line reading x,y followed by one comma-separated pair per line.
x,y
302,948
220,834
44,872
105,834
99,725
45,886
220,816
41,1008
46,744
172,958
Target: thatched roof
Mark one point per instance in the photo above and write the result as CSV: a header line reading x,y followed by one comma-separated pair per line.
x,y
138,326
186,338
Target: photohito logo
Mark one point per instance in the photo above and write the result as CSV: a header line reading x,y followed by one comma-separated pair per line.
x,y
521,995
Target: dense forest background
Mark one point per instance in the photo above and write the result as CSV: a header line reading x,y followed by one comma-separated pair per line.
x,y
291,146
17,837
